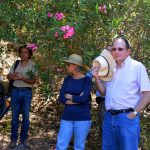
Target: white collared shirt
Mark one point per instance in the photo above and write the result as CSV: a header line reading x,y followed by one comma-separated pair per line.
x,y
125,89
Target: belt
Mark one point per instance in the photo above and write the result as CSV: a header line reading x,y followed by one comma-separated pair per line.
x,y
22,88
99,100
116,112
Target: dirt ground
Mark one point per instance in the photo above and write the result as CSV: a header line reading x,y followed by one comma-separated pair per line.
x,y
45,118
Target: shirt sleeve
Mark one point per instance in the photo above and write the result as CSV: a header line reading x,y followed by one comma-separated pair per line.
x,y
143,78
86,93
62,98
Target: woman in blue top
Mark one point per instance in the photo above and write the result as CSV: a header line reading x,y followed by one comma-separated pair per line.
x,y
75,95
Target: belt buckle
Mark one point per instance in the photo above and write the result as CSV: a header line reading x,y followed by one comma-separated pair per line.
x,y
124,111
113,112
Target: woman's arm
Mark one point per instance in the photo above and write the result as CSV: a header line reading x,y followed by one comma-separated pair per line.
x,y
62,97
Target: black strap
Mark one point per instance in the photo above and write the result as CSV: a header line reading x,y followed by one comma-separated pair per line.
x,y
16,64
108,66
11,81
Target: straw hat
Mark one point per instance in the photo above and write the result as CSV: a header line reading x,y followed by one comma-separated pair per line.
x,y
107,63
75,59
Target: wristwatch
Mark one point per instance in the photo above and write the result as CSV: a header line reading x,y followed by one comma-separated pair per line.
x,y
135,112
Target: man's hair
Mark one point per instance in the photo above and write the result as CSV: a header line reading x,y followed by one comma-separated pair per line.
x,y
29,50
125,40
107,47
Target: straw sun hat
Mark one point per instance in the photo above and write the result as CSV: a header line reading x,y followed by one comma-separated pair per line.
x,y
75,59
106,64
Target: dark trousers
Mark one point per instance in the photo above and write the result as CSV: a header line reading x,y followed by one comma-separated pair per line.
x,y
101,109
21,102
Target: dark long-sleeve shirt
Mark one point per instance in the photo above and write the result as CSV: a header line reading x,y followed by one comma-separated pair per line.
x,y
80,111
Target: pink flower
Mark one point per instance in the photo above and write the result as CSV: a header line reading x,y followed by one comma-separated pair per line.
x,y
50,15
59,16
68,31
56,34
65,28
32,46
103,9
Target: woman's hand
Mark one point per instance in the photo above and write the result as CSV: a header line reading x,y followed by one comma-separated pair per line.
x,y
17,76
81,93
68,96
69,102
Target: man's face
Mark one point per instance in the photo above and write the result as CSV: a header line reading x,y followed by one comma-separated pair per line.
x,y
120,51
24,54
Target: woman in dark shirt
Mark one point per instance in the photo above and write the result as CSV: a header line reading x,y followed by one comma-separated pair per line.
x,y
75,95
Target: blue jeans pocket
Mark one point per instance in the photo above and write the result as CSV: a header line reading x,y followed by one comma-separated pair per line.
x,y
126,114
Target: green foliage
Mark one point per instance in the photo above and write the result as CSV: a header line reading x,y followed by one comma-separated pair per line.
x,y
30,74
27,22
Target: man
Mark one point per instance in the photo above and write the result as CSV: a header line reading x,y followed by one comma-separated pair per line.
x,y
24,77
100,100
125,96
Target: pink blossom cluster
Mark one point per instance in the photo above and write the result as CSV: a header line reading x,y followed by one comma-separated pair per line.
x,y
102,8
56,34
32,46
58,16
68,31
50,15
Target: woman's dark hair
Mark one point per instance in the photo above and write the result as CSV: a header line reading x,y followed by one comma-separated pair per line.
x,y
125,40
79,68
29,50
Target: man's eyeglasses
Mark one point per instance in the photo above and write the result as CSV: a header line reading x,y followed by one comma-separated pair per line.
x,y
119,49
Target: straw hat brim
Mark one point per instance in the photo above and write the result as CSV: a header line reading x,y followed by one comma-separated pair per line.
x,y
73,62
112,64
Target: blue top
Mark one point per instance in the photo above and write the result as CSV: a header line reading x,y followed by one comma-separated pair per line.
x,y
80,111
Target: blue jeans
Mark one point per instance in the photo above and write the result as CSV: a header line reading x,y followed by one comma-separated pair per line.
x,y
80,129
120,132
20,102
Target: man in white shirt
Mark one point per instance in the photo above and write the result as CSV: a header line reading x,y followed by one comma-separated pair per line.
x,y
125,96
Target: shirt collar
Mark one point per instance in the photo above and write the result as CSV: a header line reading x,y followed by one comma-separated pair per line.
x,y
126,61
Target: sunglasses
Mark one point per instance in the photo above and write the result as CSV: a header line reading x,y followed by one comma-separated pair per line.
x,y
119,49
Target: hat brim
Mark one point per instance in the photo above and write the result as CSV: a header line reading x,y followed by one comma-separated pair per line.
x,y
112,63
73,62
